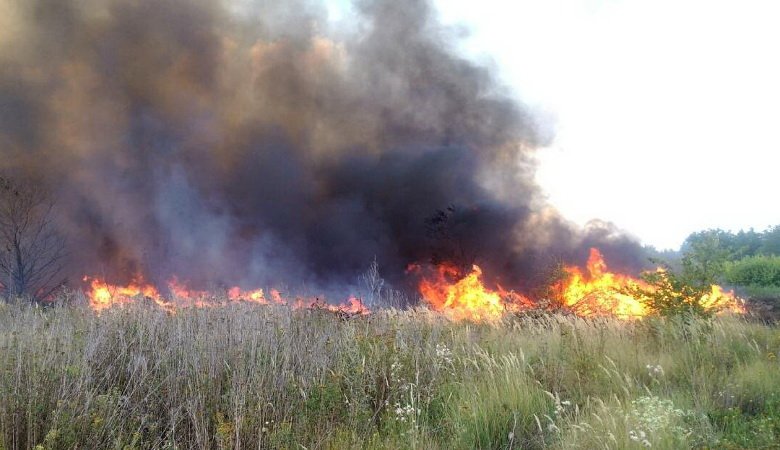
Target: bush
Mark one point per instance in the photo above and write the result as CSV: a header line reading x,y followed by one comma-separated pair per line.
x,y
759,271
670,294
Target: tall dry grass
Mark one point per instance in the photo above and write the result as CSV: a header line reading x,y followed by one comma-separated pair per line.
x,y
246,376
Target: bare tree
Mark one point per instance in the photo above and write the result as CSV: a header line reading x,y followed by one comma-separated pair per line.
x,y
32,253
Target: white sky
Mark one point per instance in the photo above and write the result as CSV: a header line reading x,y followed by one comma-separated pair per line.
x,y
668,110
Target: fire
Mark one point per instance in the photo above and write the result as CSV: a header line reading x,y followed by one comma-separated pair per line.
x,y
594,291
102,295
724,301
602,293
599,292
467,297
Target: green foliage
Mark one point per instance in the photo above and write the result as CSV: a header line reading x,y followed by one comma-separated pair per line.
x,y
748,411
770,242
759,271
670,294
764,293
705,255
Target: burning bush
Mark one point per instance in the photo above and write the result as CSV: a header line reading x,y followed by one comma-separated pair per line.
x,y
668,294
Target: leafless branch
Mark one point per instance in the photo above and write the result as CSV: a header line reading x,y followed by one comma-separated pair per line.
x,y
32,253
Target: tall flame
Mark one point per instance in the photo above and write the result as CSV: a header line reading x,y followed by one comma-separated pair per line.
x,y
594,291
723,301
600,292
467,297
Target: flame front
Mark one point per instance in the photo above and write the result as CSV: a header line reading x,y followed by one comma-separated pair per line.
x,y
600,292
467,297
102,295
723,301
594,291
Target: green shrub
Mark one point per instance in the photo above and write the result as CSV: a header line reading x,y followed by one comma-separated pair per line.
x,y
670,294
759,271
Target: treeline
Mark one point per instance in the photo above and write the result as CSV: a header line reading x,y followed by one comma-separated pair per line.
x,y
749,260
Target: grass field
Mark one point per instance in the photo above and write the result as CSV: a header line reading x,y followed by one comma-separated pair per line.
x,y
245,376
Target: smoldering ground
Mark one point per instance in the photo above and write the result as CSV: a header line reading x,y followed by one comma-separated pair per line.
x,y
257,144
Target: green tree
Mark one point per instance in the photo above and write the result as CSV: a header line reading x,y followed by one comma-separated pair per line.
x,y
746,243
705,255
770,241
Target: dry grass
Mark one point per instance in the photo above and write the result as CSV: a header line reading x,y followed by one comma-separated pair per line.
x,y
245,376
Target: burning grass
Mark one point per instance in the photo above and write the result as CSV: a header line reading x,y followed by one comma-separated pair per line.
x,y
590,292
279,377
456,294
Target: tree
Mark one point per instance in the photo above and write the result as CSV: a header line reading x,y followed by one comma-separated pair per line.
x,y
771,241
31,251
705,255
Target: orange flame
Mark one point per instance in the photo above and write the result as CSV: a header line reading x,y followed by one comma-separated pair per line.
x,y
724,301
102,295
598,293
601,293
592,292
467,298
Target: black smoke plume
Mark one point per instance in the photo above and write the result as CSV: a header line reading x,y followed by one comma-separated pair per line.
x,y
254,143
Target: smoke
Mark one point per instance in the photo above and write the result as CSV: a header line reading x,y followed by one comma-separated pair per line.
x,y
254,144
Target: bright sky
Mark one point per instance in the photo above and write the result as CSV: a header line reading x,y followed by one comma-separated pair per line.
x,y
668,110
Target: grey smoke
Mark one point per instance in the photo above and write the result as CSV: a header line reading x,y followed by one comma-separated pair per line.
x,y
183,138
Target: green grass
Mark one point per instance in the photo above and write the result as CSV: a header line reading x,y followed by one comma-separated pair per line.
x,y
761,292
248,376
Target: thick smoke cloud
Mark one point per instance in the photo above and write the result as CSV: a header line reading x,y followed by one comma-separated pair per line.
x,y
252,144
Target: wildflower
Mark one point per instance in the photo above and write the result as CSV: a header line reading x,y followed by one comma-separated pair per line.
x,y
655,370
402,413
444,354
637,435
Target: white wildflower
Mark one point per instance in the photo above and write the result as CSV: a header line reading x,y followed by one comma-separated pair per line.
x,y
655,370
444,354
405,412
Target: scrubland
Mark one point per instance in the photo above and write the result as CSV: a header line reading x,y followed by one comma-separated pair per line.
x,y
248,376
